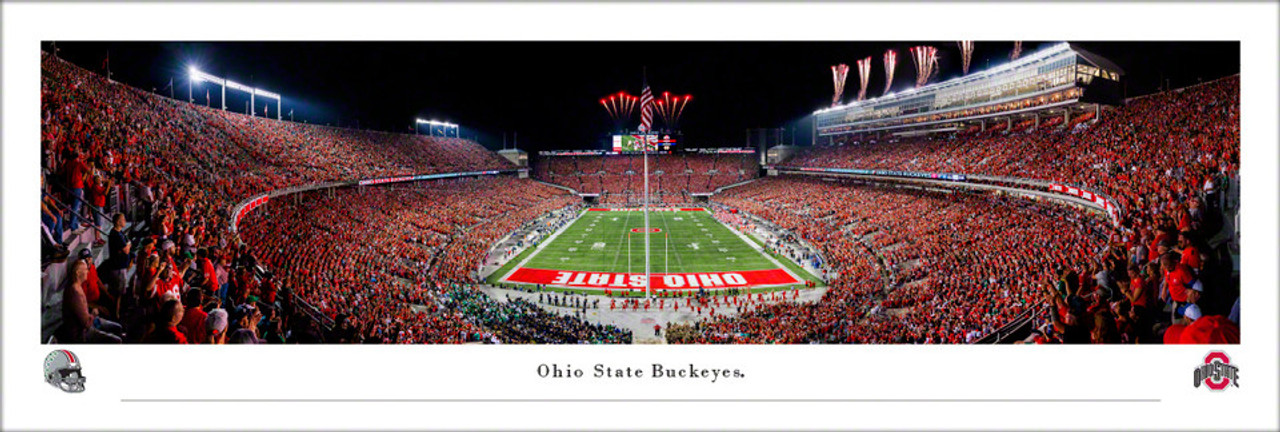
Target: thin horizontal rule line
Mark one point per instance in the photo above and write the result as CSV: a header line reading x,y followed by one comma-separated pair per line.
x,y
654,400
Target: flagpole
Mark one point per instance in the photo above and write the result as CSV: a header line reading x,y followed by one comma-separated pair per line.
x,y
648,292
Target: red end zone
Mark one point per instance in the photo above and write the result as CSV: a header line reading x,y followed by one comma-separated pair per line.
x,y
640,209
663,281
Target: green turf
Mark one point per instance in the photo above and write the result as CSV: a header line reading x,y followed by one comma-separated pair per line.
x,y
690,242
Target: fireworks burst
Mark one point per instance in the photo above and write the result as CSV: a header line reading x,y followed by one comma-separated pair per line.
x,y
864,76
838,74
890,62
926,60
670,107
966,51
619,105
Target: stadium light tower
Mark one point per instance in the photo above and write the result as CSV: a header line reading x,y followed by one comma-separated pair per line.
x,y
195,75
445,125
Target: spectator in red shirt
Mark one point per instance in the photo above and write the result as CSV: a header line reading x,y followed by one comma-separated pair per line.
x,y
76,170
268,290
1178,278
166,331
1190,254
92,286
207,270
170,282
96,196
193,320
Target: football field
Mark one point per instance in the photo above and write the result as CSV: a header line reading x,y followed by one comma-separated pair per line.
x,y
688,249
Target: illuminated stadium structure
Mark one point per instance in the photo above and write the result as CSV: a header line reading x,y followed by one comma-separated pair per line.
x,y
923,216
1056,81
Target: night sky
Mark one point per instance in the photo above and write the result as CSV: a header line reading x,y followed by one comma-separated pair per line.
x,y
549,92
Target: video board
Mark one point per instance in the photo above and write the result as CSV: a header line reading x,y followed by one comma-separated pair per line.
x,y
637,142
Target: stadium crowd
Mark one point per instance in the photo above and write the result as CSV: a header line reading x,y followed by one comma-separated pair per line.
x,y
1162,273
151,179
932,263
673,176
406,264
160,175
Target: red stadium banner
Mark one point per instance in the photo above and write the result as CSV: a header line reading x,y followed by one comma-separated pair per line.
x,y
1086,195
251,206
660,281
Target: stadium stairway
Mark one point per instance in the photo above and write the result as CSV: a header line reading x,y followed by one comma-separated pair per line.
x,y
52,276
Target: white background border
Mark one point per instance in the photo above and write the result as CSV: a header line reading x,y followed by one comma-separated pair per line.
x,y
843,372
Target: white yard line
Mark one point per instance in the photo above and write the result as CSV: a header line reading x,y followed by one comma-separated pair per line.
x,y
679,259
542,246
623,239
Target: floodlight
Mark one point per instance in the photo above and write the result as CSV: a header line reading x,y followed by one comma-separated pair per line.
x,y
261,92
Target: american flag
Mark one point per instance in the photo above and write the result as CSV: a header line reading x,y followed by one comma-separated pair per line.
x,y
646,109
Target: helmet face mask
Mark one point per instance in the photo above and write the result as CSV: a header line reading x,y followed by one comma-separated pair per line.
x,y
71,381
61,370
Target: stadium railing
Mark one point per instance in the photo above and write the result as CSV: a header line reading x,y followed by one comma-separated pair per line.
x,y
1059,192
1015,330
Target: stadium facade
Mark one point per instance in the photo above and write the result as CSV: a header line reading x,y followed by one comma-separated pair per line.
x,y
1060,80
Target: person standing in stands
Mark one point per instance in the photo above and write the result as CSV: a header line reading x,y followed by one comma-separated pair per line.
x,y
208,272
119,259
49,212
96,195
75,170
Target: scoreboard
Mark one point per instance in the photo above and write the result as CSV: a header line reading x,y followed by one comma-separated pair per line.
x,y
638,142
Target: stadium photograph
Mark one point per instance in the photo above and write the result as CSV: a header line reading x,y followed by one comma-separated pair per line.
x,y
913,192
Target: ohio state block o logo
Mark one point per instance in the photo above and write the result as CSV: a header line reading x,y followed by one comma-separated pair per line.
x,y
1217,372
641,230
